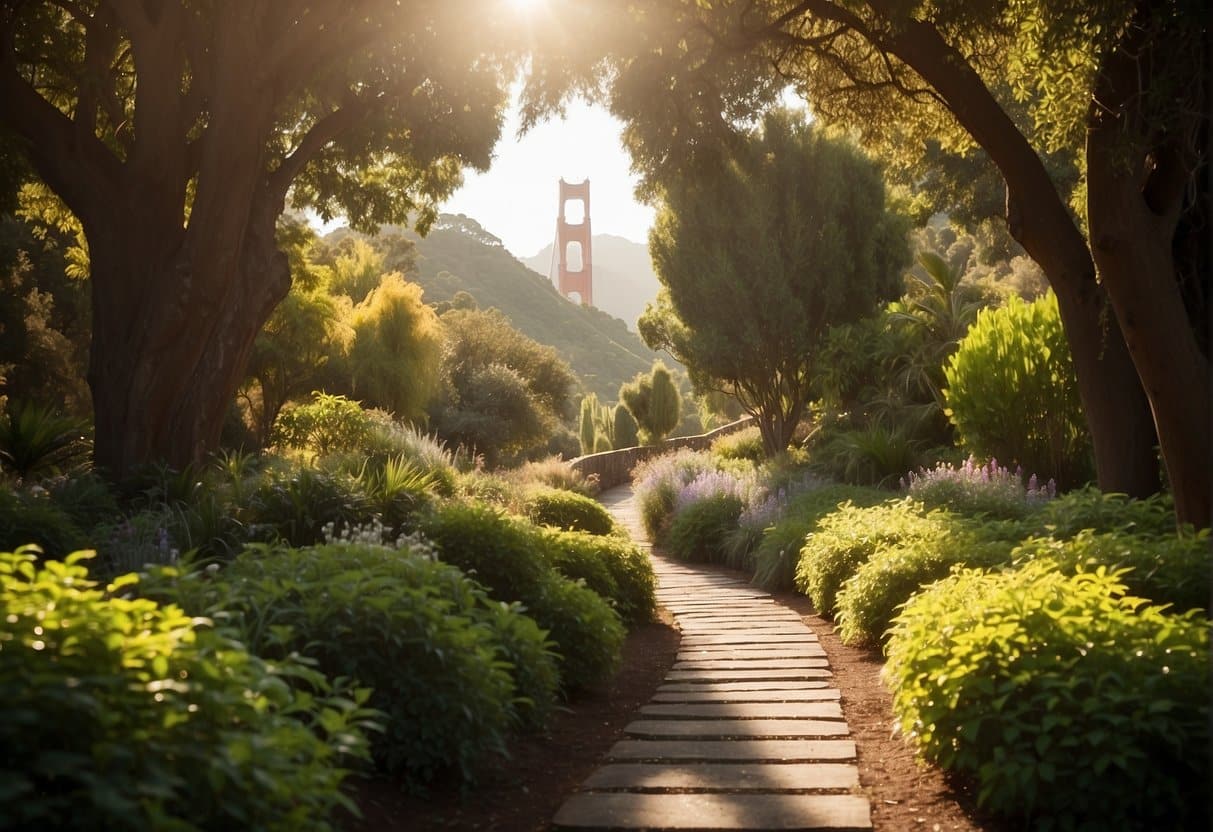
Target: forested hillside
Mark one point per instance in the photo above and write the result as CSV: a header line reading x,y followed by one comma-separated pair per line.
x,y
458,255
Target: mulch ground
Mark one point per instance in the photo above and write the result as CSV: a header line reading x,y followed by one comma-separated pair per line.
x,y
522,794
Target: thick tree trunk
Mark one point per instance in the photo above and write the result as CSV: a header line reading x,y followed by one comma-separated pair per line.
x,y
1118,414
1137,174
172,335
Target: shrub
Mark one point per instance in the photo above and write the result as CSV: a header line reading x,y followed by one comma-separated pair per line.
x,y
1071,704
869,600
845,539
566,510
508,556
124,714
36,440
297,506
1089,508
971,488
1012,392
86,498
873,455
30,516
324,425
389,439
613,567
698,531
556,473
415,630
657,482
778,551
742,444
1166,569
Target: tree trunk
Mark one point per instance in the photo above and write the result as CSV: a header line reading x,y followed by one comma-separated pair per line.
x,y
1117,411
1136,184
172,333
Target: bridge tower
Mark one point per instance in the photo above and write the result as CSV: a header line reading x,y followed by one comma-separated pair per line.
x,y
574,280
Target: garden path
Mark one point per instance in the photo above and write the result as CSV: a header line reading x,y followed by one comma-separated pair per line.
x,y
747,731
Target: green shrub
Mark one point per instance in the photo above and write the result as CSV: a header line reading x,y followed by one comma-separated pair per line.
x,y
566,510
699,530
1013,395
657,481
327,424
34,439
869,600
413,629
124,714
86,498
1166,569
32,517
873,455
554,472
508,556
1089,508
742,444
297,506
613,567
845,539
778,552
1071,704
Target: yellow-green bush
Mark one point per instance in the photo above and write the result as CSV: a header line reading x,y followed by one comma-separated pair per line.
x,y
566,510
121,713
614,567
1072,705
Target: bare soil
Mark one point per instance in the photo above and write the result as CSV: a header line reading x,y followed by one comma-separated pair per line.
x,y
522,794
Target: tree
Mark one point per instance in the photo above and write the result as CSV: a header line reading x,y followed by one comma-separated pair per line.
x,y
1123,84
176,131
654,403
759,254
397,349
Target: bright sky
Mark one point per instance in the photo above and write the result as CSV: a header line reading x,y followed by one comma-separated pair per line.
x,y
517,199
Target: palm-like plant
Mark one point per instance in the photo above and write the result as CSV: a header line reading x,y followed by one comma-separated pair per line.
x,y
34,439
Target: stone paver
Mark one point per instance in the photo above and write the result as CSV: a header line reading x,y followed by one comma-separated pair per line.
x,y
746,732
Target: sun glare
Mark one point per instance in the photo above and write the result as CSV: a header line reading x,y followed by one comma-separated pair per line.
x,y
523,6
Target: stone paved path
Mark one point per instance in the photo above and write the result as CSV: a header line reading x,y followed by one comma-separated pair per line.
x,y
745,733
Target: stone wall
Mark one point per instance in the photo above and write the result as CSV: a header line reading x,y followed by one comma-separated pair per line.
x,y
615,467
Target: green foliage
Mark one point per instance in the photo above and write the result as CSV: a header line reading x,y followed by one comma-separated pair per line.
x,y
741,444
777,554
613,567
413,629
587,432
121,714
1089,508
395,356
625,430
554,472
566,510
969,488
602,444
1073,705
869,600
758,253
297,505
508,556
28,517
399,489
845,539
36,440
326,424
86,498
657,482
1164,568
874,455
700,529
1012,393
654,403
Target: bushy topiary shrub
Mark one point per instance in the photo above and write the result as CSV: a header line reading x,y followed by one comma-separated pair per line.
x,y
508,556
1012,392
778,552
870,598
1166,569
413,629
614,567
124,714
845,539
1072,705
566,510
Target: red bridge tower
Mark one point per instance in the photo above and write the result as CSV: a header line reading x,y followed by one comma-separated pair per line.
x,y
575,274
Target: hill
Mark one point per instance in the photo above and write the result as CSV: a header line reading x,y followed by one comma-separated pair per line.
x,y
623,275
459,255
